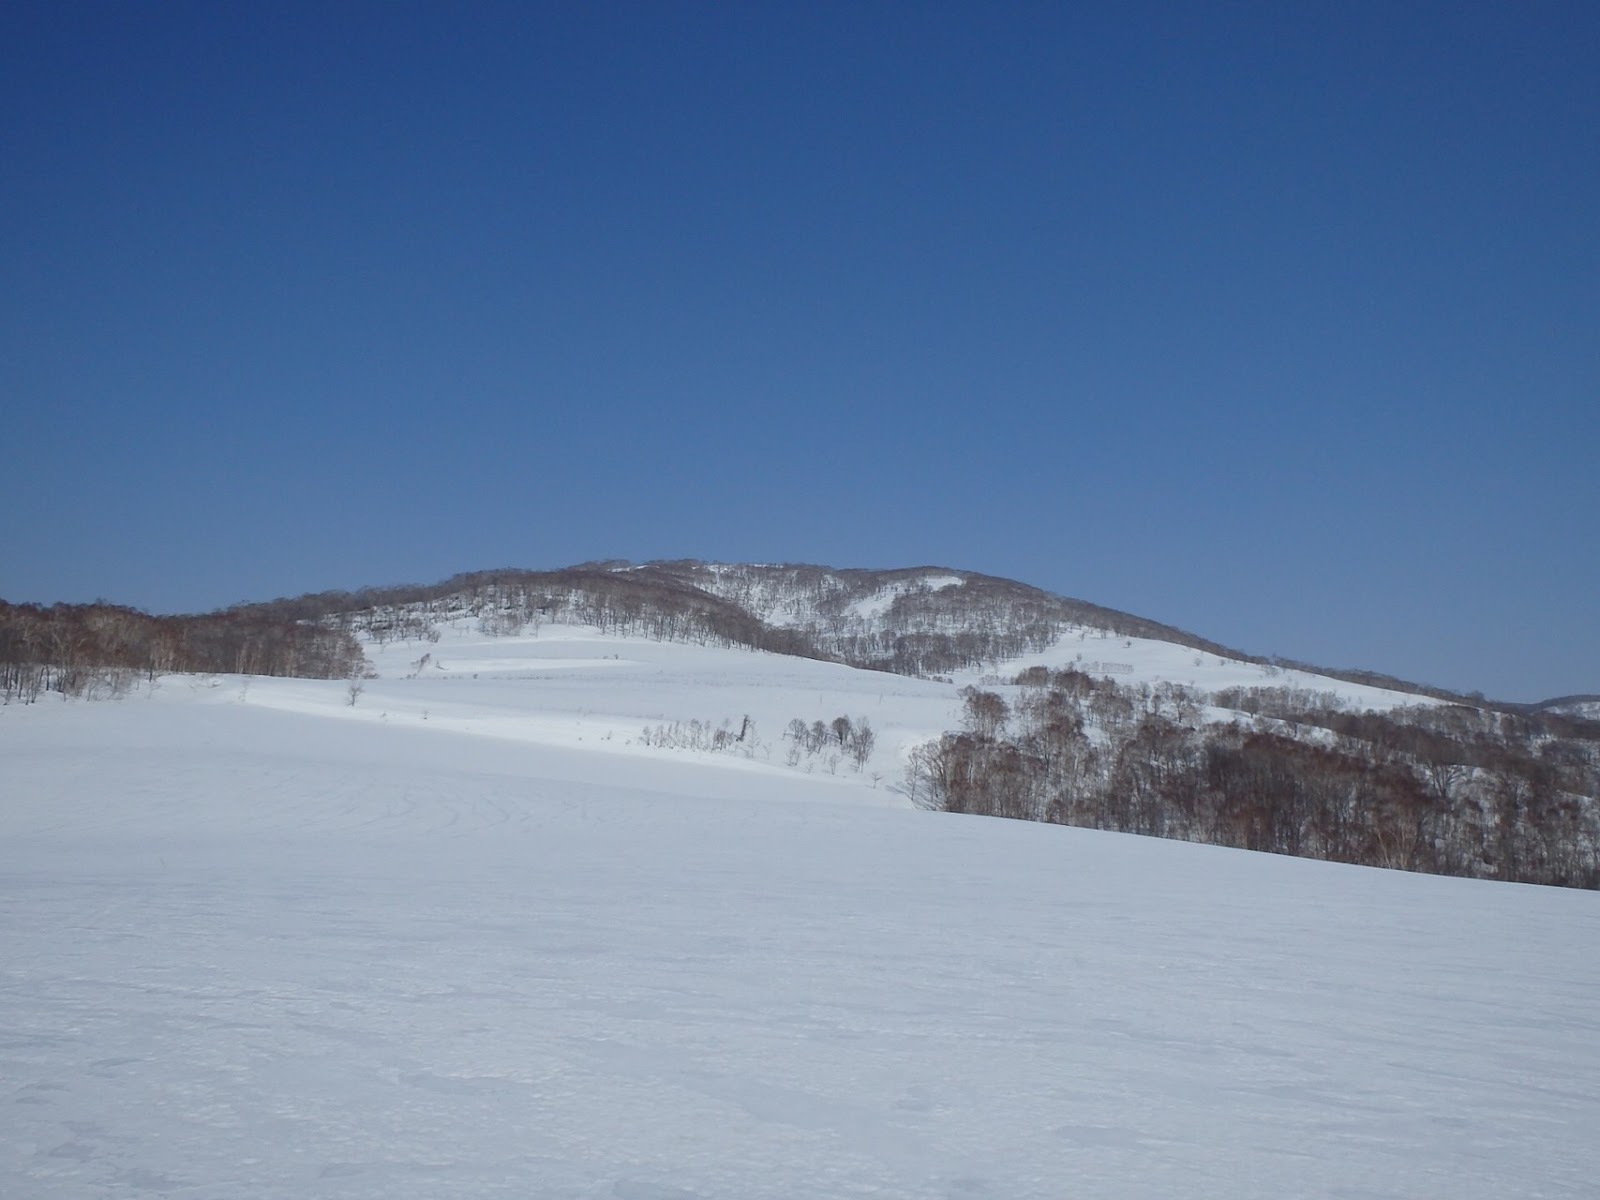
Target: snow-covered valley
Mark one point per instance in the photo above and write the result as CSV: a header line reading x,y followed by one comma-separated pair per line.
x,y
471,935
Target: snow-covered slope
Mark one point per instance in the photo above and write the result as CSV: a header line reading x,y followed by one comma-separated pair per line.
x,y
1585,708
1133,661
858,614
575,687
472,937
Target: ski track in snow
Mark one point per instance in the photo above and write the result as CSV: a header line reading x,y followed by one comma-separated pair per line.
x,y
259,943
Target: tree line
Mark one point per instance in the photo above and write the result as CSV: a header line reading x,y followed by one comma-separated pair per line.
x,y
642,603
103,649
1449,789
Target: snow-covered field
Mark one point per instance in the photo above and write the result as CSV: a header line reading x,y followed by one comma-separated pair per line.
x,y
471,937
1133,661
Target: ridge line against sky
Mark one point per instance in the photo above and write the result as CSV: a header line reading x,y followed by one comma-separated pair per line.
x,y
1280,325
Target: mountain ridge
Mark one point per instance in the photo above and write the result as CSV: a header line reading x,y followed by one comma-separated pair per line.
x,y
876,618
703,576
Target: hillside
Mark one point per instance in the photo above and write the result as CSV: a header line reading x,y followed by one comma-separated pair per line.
x,y
1056,710
465,928
913,621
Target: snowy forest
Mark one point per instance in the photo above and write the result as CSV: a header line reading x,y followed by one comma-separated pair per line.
x,y
1453,790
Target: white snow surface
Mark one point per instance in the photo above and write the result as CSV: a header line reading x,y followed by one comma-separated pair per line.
x,y
469,938
1588,710
1133,661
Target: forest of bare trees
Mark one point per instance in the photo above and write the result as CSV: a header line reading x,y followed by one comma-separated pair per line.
x,y
920,629
1448,789
642,603
963,624
101,650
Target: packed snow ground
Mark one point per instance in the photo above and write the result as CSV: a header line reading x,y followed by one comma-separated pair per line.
x,y
470,937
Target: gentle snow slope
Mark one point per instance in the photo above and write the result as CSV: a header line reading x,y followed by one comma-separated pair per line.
x,y
1133,661
258,943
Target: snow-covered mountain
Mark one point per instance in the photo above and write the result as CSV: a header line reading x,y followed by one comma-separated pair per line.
x,y
510,918
1041,707
923,621
1584,708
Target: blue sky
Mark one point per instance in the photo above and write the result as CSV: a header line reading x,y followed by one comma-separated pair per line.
x,y
1280,323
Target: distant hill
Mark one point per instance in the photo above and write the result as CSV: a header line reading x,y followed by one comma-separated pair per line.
x,y
1584,707
1059,710
912,620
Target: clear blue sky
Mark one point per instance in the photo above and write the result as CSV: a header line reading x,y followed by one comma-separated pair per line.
x,y
1279,322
